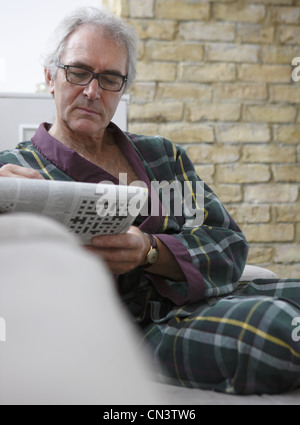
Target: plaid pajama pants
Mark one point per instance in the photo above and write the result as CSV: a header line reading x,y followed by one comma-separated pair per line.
x,y
244,343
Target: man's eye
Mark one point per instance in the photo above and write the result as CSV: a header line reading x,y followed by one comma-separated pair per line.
x,y
110,79
79,74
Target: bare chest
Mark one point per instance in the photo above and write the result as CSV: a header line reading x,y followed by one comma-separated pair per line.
x,y
114,162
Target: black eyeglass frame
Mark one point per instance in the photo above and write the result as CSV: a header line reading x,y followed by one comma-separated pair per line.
x,y
94,75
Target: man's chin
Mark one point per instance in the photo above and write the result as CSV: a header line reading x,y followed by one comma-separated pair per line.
x,y
88,128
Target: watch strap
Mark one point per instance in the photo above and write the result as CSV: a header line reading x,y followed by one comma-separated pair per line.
x,y
153,245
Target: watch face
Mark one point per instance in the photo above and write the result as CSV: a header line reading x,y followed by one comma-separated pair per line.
x,y
152,256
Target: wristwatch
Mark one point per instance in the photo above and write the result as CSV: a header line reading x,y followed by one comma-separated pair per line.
x,y
152,255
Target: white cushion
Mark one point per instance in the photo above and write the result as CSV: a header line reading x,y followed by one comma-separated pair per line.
x,y
27,226
255,272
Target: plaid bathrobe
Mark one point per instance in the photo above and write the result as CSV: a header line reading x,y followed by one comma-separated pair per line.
x,y
209,331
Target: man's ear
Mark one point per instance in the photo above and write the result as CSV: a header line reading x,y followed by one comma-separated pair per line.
x,y
49,80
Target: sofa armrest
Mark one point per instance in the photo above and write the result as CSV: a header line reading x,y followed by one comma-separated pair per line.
x,y
255,272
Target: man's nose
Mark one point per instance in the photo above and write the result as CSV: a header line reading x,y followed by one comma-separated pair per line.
x,y
92,90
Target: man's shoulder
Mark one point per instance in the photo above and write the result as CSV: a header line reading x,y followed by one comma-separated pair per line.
x,y
19,147
141,139
156,144
13,156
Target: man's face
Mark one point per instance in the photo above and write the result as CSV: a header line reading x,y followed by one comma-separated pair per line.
x,y
86,111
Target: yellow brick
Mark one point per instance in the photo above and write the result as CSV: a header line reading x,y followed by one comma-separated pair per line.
x,y
187,10
141,51
287,213
174,51
142,9
186,91
213,31
269,232
243,133
243,173
287,253
213,112
216,154
227,52
147,129
287,133
256,34
240,91
239,13
156,71
278,54
259,254
289,34
188,133
274,2
289,271
269,154
285,15
269,113
159,112
287,173
250,213
207,72
119,7
228,193
284,93
142,92
265,73
157,30
271,193
205,172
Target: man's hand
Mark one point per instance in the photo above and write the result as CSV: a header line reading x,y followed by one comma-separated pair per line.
x,y
12,170
122,253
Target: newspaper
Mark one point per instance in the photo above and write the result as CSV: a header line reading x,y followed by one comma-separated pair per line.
x,y
86,209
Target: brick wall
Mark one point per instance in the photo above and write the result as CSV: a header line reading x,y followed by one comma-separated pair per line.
x,y
215,76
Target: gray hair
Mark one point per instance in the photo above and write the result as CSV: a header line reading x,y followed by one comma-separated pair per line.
x,y
114,28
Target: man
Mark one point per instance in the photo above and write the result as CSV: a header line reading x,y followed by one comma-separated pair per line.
x,y
180,282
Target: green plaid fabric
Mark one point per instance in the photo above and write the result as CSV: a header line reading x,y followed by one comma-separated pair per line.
x,y
26,155
238,344
208,331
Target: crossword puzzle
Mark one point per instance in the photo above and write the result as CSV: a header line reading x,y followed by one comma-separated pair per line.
x,y
86,209
88,219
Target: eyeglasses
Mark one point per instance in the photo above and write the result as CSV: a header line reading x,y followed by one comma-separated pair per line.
x,y
83,77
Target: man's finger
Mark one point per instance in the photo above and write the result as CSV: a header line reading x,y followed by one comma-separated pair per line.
x,y
12,170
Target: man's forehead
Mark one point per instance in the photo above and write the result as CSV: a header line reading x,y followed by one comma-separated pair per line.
x,y
89,46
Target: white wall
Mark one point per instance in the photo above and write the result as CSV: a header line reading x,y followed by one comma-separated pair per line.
x,y
25,26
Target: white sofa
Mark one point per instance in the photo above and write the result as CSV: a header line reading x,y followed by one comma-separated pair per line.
x,y
68,339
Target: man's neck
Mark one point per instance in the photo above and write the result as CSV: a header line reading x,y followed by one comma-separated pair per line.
x,y
90,148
